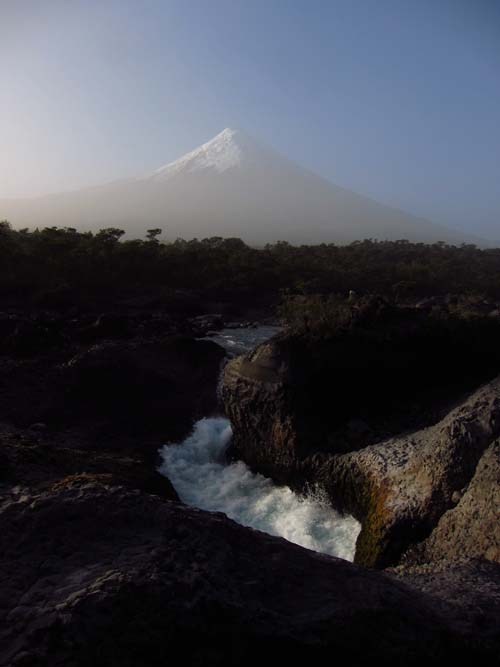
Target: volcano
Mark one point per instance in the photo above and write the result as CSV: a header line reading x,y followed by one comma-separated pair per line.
x,y
231,186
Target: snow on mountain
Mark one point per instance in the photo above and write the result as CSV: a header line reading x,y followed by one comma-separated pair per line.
x,y
230,186
223,152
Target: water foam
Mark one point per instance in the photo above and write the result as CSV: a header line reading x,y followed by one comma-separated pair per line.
x,y
197,469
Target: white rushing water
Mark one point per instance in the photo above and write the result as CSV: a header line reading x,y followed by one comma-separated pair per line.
x,y
198,470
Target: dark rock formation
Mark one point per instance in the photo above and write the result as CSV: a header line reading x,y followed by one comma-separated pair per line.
x,y
385,371
117,394
299,433
39,459
256,391
98,395
468,590
143,387
96,575
99,565
107,326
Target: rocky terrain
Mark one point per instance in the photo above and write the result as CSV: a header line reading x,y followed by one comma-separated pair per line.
x,y
422,476
94,574
102,565
107,381
470,526
291,422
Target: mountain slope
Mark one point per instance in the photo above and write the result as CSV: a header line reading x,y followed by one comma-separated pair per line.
x,y
230,186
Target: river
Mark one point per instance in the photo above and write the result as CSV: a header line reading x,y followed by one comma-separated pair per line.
x,y
202,478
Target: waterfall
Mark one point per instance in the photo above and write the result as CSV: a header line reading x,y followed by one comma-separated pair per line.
x,y
201,476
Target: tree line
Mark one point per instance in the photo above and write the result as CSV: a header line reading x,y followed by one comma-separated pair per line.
x,y
64,258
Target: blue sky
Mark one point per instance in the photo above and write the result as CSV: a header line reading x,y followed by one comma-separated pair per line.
x,y
396,99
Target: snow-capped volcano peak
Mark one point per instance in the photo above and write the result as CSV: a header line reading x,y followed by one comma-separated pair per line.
x,y
234,186
225,151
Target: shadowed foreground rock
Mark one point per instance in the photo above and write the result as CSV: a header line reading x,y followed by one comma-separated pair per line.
x,y
37,459
468,589
117,398
142,387
97,575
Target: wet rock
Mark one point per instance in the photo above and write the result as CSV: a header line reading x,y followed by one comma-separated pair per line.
x,y
254,390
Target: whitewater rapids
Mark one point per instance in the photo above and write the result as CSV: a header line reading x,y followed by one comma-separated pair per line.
x,y
197,469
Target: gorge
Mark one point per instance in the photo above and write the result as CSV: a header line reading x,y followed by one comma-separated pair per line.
x,y
203,478
102,561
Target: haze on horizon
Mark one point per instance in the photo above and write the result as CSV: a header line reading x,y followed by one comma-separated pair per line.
x,y
398,101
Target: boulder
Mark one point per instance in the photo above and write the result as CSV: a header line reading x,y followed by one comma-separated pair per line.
x,y
40,460
391,371
256,393
140,388
106,411
466,590
399,489
93,574
471,529
303,434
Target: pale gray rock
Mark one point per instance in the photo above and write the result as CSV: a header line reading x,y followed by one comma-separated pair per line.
x,y
472,528
398,488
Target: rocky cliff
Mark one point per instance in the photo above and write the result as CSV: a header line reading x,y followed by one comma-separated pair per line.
x,y
398,478
471,526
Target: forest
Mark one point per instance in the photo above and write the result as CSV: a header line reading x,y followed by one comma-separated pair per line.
x,y
63,265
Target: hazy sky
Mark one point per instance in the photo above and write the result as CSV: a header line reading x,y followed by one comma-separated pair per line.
x,y
395,99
